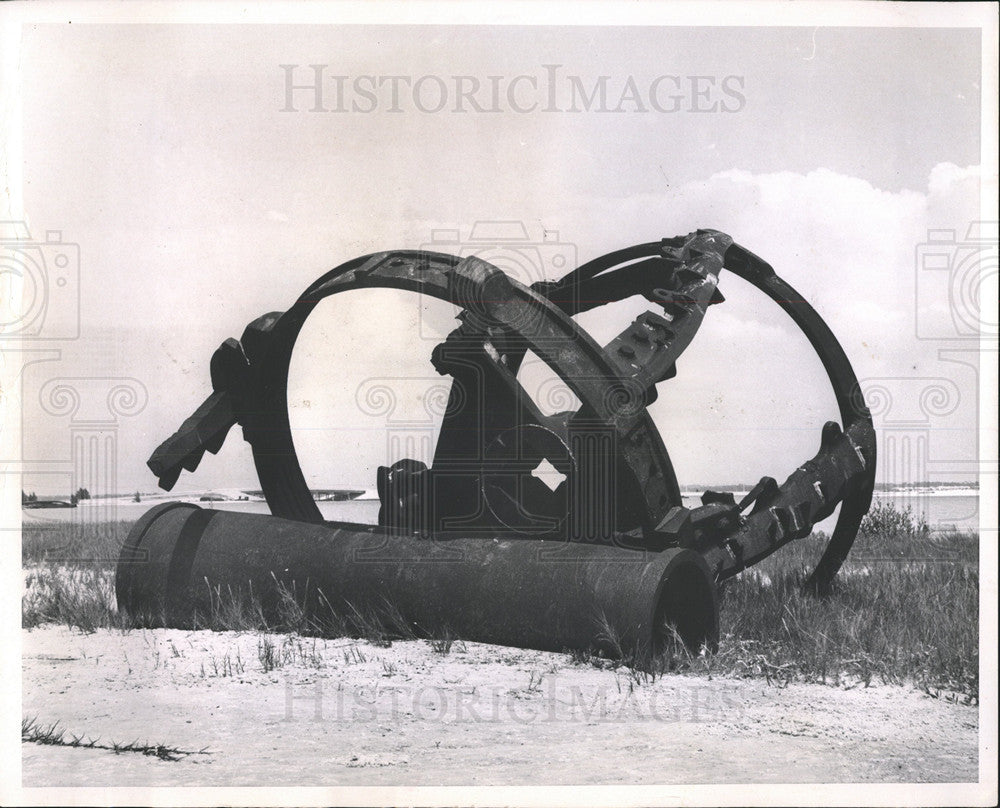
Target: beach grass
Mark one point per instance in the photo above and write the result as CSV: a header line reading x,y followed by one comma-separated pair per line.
x,y
904,609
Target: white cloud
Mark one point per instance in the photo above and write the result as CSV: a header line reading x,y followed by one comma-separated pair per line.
x,y
848,247
750,396
945,176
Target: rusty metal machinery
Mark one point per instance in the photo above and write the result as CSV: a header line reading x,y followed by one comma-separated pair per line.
x,y
477,542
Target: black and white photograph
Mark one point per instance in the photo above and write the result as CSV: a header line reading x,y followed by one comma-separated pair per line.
x,y
533,403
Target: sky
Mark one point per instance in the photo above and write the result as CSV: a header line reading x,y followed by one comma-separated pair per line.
x,y
202,192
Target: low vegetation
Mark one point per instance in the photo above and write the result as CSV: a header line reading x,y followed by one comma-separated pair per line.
x,y
51,735
905,610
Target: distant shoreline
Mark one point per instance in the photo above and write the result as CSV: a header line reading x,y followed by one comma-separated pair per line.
x,y
363,495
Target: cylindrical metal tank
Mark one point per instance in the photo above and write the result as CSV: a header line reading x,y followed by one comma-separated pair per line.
x,y
528,593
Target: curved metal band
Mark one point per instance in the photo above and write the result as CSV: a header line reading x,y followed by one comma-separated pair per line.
x,y
491,296
854,414
850,401
250,379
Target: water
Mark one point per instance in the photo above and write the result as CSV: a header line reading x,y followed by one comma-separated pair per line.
x,y
941,509
364,511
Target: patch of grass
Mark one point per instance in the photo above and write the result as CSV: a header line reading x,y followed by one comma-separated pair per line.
x,y
70,576
904,609
534,682
643,665
354,656
51,735
293,650
267,654
227,611
885,519
588,656
228,666
65,543
368,625
154,750
441,645
286,610
79,596
309,655
442,640
913,622
291,612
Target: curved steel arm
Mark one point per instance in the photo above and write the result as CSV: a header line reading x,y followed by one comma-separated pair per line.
x,y
842,472
257,397
615,385
859,431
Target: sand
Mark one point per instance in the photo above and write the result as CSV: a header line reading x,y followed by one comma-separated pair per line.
x,y
345,712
